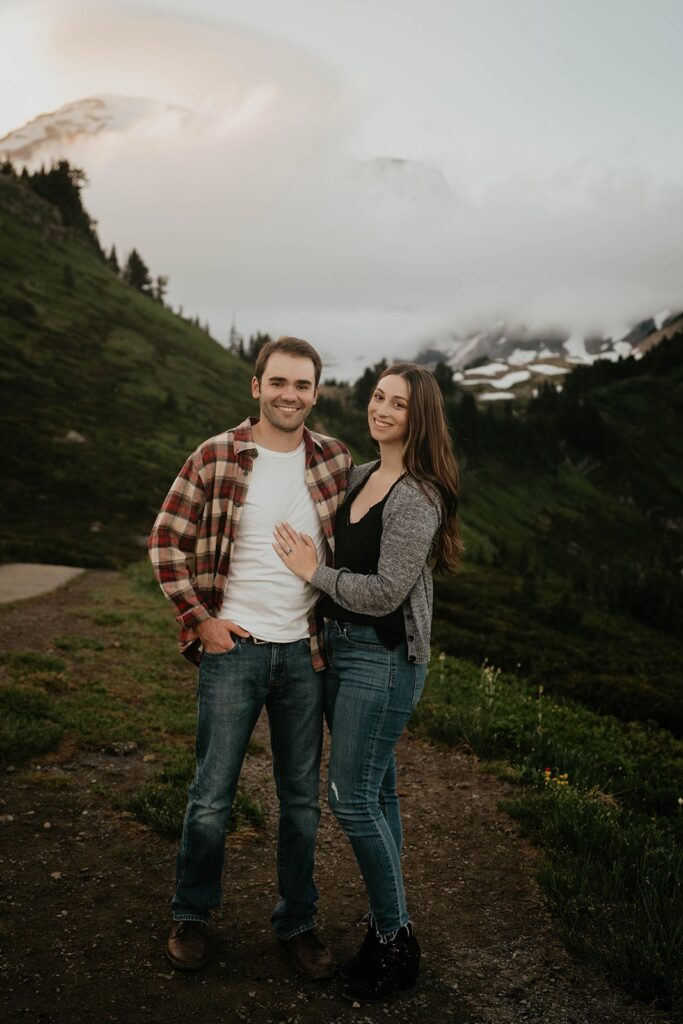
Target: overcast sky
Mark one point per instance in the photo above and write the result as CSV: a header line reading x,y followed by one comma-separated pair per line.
x,y
556,125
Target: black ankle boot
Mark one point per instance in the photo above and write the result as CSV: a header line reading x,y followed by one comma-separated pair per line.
x,y
394,965
361,962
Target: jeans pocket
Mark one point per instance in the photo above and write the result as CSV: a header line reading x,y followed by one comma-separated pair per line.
x,y
365,637
224,654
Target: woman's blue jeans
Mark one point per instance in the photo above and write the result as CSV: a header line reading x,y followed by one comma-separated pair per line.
x,y
232,690
371,692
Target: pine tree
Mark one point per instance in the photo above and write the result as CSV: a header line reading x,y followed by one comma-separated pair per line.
x,y
444,378
62,186
363,386
136,273
235,341
159,288
256,343
113,260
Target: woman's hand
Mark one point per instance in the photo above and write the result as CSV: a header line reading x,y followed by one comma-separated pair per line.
x,y
297,551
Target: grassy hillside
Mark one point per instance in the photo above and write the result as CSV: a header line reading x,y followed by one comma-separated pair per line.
x,y
83,352
572,511
572,505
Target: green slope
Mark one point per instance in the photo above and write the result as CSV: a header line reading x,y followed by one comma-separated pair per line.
x,y
572,513
140,384
572,506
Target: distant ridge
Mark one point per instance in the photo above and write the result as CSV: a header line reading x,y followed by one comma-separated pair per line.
x,y
508,361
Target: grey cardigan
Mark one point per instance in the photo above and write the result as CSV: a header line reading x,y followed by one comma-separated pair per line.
x,y
410,521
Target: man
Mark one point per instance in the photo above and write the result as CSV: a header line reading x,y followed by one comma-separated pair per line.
x,y
249,623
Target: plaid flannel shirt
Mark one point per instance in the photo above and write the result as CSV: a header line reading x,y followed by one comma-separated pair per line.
x,y
194,534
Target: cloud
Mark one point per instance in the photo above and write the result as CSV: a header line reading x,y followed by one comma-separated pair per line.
x,y
255,205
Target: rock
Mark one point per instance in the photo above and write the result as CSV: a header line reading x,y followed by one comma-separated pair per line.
x,y
4,818
122,748
73,437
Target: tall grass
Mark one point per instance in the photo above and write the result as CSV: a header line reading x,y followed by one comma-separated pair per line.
x,y
601,797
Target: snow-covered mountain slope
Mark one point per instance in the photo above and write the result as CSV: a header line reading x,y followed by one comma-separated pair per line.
x,y
51,135
509,362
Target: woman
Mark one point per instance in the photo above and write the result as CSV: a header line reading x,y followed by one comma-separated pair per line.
x,y
399,516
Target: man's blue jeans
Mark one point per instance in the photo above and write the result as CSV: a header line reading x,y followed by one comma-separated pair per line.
x,y
371,692
232,690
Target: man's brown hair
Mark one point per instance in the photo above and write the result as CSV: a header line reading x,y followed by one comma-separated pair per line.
x,y
291,347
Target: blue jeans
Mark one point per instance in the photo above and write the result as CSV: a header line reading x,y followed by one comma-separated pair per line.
x,y
371,692
233,688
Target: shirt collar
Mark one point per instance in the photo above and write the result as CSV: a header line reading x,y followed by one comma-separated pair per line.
x,y
244,438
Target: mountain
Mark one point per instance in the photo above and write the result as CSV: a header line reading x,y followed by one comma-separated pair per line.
x,y
51,135
508,361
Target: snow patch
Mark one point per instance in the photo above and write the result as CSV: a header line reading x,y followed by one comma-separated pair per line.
x,y
521,356
622,348
493,396
460,354
490,370
659,318
516,377
548,369
575,347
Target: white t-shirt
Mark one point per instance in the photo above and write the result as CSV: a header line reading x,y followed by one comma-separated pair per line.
x,y
261,594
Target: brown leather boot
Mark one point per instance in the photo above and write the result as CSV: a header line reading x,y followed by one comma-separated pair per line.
x,y
309,956
187,947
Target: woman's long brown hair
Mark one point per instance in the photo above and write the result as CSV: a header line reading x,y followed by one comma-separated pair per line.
x,y
429,457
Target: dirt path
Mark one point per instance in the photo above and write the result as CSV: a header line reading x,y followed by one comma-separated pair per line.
x,y
85,891
21,580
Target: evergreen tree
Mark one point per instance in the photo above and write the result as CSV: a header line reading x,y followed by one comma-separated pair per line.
x,y
256,343
62,186
159,287
7,169
360,394
444,378
136,273
467,421
236,342
113,260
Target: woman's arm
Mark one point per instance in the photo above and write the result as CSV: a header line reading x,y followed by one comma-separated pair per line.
x,y
407,536
408,529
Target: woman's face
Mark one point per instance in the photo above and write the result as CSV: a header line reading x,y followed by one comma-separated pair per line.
x,y
388,410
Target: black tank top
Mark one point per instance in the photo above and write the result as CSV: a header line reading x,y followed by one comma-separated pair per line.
x,y
356,547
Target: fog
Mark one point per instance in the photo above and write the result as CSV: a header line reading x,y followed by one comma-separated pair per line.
x,y
260,204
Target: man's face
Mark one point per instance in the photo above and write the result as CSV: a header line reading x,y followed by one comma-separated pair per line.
x,y
287,391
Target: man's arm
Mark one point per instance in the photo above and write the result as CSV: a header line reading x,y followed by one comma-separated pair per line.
x,y
171,545
171,548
